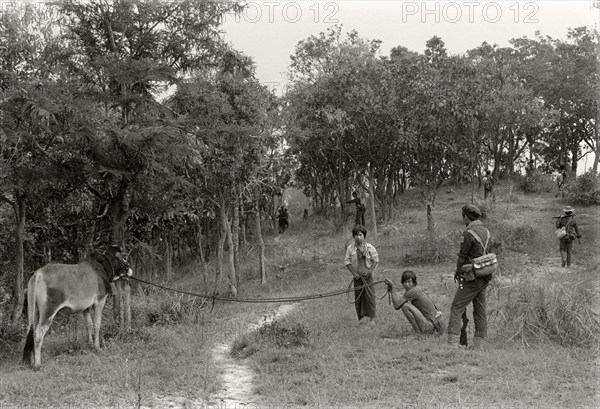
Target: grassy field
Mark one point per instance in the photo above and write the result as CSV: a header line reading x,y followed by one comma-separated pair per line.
x,y
543,337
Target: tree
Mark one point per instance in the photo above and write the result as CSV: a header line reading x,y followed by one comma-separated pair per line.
x,y
564,76
125,52
338,104
36,118
225,112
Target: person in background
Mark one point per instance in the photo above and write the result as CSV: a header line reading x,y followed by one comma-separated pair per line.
x,y
561,179
471,289
565,243
488,185
283,219
418,308
530,168
359,219
361,260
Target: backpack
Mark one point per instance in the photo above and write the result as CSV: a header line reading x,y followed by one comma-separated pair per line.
x,y
487,264
565,231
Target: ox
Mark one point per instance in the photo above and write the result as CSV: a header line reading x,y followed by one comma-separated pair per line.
x,y
71,288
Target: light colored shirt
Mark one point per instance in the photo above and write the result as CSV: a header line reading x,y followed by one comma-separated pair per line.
x,y
371,255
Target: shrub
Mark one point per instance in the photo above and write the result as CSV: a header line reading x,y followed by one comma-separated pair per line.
x,y
548,313
268,335
292,335
536,183
585,190
169,308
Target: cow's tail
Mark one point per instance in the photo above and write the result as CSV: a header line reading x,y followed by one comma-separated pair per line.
x,y
31,317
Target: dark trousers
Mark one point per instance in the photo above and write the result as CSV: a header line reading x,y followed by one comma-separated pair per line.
x,y
469,291
359,219
565,248
365,301
490,193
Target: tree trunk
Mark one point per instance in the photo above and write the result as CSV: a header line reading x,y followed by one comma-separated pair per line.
x,y
243,237
389,194
219,265
430,222
574,153
119,211
597,151
261,245
431,232
230,258
202,260
118,303
18,295
372,202
168,254
235,237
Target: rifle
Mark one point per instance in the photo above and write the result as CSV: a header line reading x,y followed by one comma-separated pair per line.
x,y
463,331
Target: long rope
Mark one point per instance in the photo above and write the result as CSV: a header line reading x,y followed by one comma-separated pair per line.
x,y
259,300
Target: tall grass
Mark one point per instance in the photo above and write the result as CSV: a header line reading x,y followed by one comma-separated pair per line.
x,y
421,249
551,313
517,233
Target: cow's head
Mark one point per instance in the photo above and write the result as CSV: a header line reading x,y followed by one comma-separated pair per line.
x,y
122,267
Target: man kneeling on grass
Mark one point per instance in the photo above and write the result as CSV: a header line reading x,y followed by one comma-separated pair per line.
x,y
418,308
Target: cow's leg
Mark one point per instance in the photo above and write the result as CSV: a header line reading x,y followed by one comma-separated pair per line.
x,y
97,321
87,316
29,347
38,338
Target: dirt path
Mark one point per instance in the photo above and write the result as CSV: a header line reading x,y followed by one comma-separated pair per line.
x,y
237,378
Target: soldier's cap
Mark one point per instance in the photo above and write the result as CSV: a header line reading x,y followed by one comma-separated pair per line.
x,y
569,210
471,211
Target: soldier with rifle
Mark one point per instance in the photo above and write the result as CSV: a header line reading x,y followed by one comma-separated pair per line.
x,y
566,233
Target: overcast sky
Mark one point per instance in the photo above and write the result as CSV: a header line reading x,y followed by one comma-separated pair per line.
x,y
268,31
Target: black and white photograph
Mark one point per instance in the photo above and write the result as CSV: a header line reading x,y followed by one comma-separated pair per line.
x,y
234,204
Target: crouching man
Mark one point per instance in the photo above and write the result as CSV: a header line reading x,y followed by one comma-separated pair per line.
x,y
418,308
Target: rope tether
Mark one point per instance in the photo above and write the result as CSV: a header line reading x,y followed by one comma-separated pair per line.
x,y
259,300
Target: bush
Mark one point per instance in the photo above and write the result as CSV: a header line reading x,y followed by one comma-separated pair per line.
x,y
291,335
585,190
169,308
536,183
549,313
269,335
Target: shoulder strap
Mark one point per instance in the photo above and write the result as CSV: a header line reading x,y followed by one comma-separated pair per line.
x,y
568,222
479,239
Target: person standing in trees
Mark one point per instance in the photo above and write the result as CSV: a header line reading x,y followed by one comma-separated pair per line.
x,y
488,185
571,232
283,219
530,168
359,219
361,260
561,179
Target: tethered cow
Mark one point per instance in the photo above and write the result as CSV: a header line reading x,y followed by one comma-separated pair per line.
x,y
72,288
